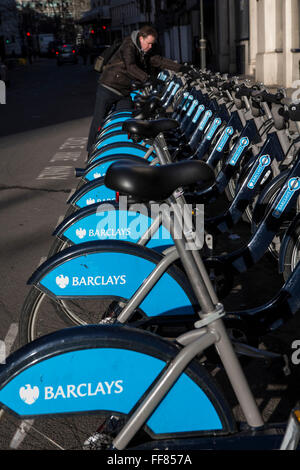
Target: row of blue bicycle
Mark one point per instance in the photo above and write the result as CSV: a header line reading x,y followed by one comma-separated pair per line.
x,y
133,273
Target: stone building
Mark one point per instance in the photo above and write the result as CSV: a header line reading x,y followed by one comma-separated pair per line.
x,y
251,37
274,42
9,29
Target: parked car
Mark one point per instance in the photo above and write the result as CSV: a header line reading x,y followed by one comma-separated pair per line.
x,y
67,53
53,48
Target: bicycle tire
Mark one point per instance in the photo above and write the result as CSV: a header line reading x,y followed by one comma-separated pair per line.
x,y
57,245
292,253
58,315
112,352
261,208
39,308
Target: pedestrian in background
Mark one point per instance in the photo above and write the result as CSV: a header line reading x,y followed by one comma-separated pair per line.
x,y
137,59
83,51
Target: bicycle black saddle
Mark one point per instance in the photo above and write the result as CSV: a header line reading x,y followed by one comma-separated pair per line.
x,y
147,109
139,129
157,183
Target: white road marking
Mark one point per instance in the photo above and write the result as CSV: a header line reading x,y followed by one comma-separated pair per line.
x,y
11,337
49,172
21,433
69,151
56,173
8,342
65,156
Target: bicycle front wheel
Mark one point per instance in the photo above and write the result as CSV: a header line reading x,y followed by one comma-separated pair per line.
x,y
79,432
42,315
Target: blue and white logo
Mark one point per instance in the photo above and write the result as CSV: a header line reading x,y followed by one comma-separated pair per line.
x,y
205,119
264,162
192,107
98,171
217,122
84,380
175,89
171,84
198,113
62,281
29,394
187,102
244,142
224,138
292,186
98,194
81,233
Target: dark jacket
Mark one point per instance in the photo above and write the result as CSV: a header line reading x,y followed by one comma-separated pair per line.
x,y
131,64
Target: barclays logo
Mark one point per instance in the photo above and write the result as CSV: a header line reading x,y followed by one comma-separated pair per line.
x,y
62,281
98,280
292,187
81,233
90,201
94,281
29,394
83,390
110,232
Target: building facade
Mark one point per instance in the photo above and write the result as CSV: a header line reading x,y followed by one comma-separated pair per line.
x,y
10,43
260,38
274,54
127,16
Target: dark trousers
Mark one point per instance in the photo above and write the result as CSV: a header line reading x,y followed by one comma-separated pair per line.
x,y
105,99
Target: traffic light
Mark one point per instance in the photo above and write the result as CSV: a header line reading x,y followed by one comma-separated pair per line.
x,y
28,34
104,27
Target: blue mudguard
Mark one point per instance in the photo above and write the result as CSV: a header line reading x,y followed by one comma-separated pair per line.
x,y
115,269
92,192
113,127
110,368
98,168
116,119
107,222
124,148
114,137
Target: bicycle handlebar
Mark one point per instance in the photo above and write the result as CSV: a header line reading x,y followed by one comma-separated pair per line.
x,y
293,111
263,95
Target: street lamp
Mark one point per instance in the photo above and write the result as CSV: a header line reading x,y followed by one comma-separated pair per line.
x,y
202,41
